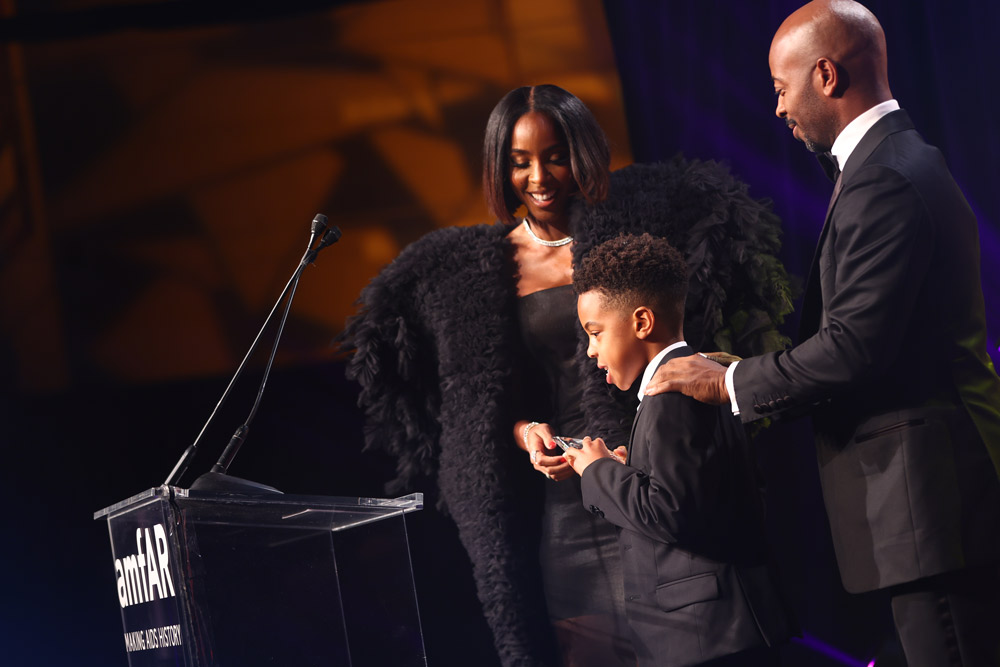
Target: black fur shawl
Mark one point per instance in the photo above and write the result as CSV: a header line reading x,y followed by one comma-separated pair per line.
x,y
436,336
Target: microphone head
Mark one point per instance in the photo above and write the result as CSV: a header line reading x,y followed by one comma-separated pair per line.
x,y
332,236
319,223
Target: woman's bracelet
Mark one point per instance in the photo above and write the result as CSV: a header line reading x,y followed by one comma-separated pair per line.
x,y
524,432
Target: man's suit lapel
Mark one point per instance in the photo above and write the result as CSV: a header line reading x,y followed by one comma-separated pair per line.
x,y
683,351
812,302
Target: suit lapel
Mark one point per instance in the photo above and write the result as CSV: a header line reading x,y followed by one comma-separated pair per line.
x,y
812,302
631,435
683,351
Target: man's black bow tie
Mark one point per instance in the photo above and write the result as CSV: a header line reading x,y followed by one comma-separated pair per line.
x,y
829,164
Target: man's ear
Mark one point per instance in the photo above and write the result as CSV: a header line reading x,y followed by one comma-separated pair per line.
x,y
643,320
832,80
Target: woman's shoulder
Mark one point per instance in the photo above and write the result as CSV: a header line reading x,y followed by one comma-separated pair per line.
x,y
675,187
677,170
664,198
455,242
441,257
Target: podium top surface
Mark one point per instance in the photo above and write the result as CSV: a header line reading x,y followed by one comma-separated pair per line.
x,y
326,512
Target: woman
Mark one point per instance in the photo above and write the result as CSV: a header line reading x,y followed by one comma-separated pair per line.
x,y
543,150
468,344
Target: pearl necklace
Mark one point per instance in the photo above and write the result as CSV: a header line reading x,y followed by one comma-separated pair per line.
x,y
549,244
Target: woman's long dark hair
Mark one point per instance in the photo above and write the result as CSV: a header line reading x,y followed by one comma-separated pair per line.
x,y
588,147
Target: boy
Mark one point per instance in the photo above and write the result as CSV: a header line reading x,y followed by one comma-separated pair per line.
x,y
686,502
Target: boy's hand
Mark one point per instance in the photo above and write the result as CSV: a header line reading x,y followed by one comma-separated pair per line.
x,y
592,450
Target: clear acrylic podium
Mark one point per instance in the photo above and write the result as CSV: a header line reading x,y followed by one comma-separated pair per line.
x,y
226,580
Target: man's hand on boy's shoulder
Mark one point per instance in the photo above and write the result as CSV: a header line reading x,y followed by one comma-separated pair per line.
x,y
696,376
593,449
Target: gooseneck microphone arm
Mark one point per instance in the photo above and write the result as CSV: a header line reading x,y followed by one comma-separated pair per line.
x,y
332,235
229,453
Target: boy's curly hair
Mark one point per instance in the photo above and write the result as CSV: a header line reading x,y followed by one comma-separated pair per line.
x,y
631,271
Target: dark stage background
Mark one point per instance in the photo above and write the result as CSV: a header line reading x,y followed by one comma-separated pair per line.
x,y
159,164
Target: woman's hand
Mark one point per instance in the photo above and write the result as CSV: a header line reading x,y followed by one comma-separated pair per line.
x,y
543,452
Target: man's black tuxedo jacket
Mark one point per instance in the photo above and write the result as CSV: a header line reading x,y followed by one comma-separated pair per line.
x,y
691,532
893,365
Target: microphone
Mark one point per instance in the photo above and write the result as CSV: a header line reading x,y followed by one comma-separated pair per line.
x,y
319,223
218,479
331,236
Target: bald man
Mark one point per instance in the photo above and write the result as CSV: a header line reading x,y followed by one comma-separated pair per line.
x,y
892,362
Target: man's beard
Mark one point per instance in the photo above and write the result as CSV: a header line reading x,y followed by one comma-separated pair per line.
x,y
812,145
814,106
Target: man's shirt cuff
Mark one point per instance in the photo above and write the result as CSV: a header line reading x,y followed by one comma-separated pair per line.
x,y
731,389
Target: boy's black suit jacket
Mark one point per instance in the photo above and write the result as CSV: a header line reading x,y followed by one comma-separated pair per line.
x,y
894,368
690,516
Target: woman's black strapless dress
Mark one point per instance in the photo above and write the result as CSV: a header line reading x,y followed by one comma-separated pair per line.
x,y
579,554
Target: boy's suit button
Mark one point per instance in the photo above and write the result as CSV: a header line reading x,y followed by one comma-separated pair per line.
x,y
632,598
